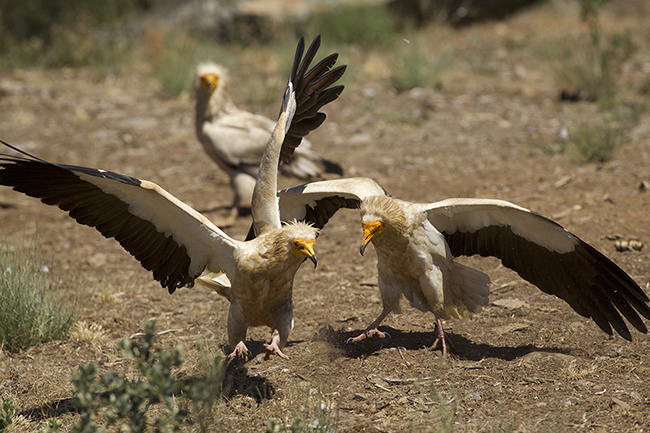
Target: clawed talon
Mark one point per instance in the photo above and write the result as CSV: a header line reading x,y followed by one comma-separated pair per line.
x,y
442,339
442,342
241,352
273,348
368,333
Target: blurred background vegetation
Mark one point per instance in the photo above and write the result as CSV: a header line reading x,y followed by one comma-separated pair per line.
x,y
398,39
172,36
57,33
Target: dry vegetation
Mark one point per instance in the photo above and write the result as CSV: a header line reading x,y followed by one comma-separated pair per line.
x,y
489,124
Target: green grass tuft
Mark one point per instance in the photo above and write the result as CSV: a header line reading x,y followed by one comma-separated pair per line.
x,y
593,66
6,413
597,143
365,25
31,310
415,67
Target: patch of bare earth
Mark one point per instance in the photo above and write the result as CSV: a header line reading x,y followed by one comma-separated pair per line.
x,y
526,363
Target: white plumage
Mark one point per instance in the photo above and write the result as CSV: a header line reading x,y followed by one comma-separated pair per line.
x,y
416,245
235,139
177,243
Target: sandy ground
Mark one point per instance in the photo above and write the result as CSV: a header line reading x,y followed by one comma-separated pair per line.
x,y
526,363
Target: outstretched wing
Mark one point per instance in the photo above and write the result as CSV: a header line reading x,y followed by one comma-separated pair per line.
x,y
313,91
165,235
545,254
305,94
317,202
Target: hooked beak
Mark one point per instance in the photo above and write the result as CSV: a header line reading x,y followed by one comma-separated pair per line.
x,y
362,249
305,247
370,230
308,250
209,82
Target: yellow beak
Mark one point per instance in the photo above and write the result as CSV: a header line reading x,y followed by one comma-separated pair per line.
x,y
304,247
209,82
370,230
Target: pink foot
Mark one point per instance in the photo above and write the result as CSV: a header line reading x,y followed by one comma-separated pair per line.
x,y
442,338
368,333
273,348
240,351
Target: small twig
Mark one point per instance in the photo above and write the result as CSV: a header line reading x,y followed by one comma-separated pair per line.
x,y
508,286
169,330
382,387
398,381
408,364
404,381
139,334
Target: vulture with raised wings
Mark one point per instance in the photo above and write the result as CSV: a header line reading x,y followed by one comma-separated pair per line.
x,y
235,139
416,244
177,243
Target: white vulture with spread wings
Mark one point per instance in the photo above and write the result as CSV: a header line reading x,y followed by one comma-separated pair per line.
x,y
176,242
235,139
416,245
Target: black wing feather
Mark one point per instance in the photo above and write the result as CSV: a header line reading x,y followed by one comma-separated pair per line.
x,y
312,93
589,282
58,185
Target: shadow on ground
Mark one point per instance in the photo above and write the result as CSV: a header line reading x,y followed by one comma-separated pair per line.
x,y
465,349
237,382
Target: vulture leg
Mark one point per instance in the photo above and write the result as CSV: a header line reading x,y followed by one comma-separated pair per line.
x,y
282,325
274,348
235,206
372,328
240,351
442,338
237,328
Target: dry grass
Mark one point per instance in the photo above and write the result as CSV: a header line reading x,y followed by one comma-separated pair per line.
x,y
32,308
479,135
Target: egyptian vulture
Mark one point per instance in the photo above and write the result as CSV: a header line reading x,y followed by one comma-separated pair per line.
x,y
177,243
235,139
416,245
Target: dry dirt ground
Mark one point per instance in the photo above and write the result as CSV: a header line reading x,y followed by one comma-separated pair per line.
x,y
526,363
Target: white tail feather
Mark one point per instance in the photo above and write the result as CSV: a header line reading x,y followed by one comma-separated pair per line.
x,y
215,281
467,293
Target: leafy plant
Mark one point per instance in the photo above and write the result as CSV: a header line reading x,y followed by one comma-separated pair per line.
x,y
175,55
6,413
59,33
115,401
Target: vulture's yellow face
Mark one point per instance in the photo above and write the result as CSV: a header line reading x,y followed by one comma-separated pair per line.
x,y
209,82
302,247
370,230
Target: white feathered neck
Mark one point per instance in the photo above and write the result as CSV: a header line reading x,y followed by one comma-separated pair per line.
x,y
211,106
388,210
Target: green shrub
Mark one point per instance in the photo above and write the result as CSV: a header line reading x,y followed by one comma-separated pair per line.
x,y
114,400
6,413
31,309
366,25
175,55
597,143
55,33
593,67
415,67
